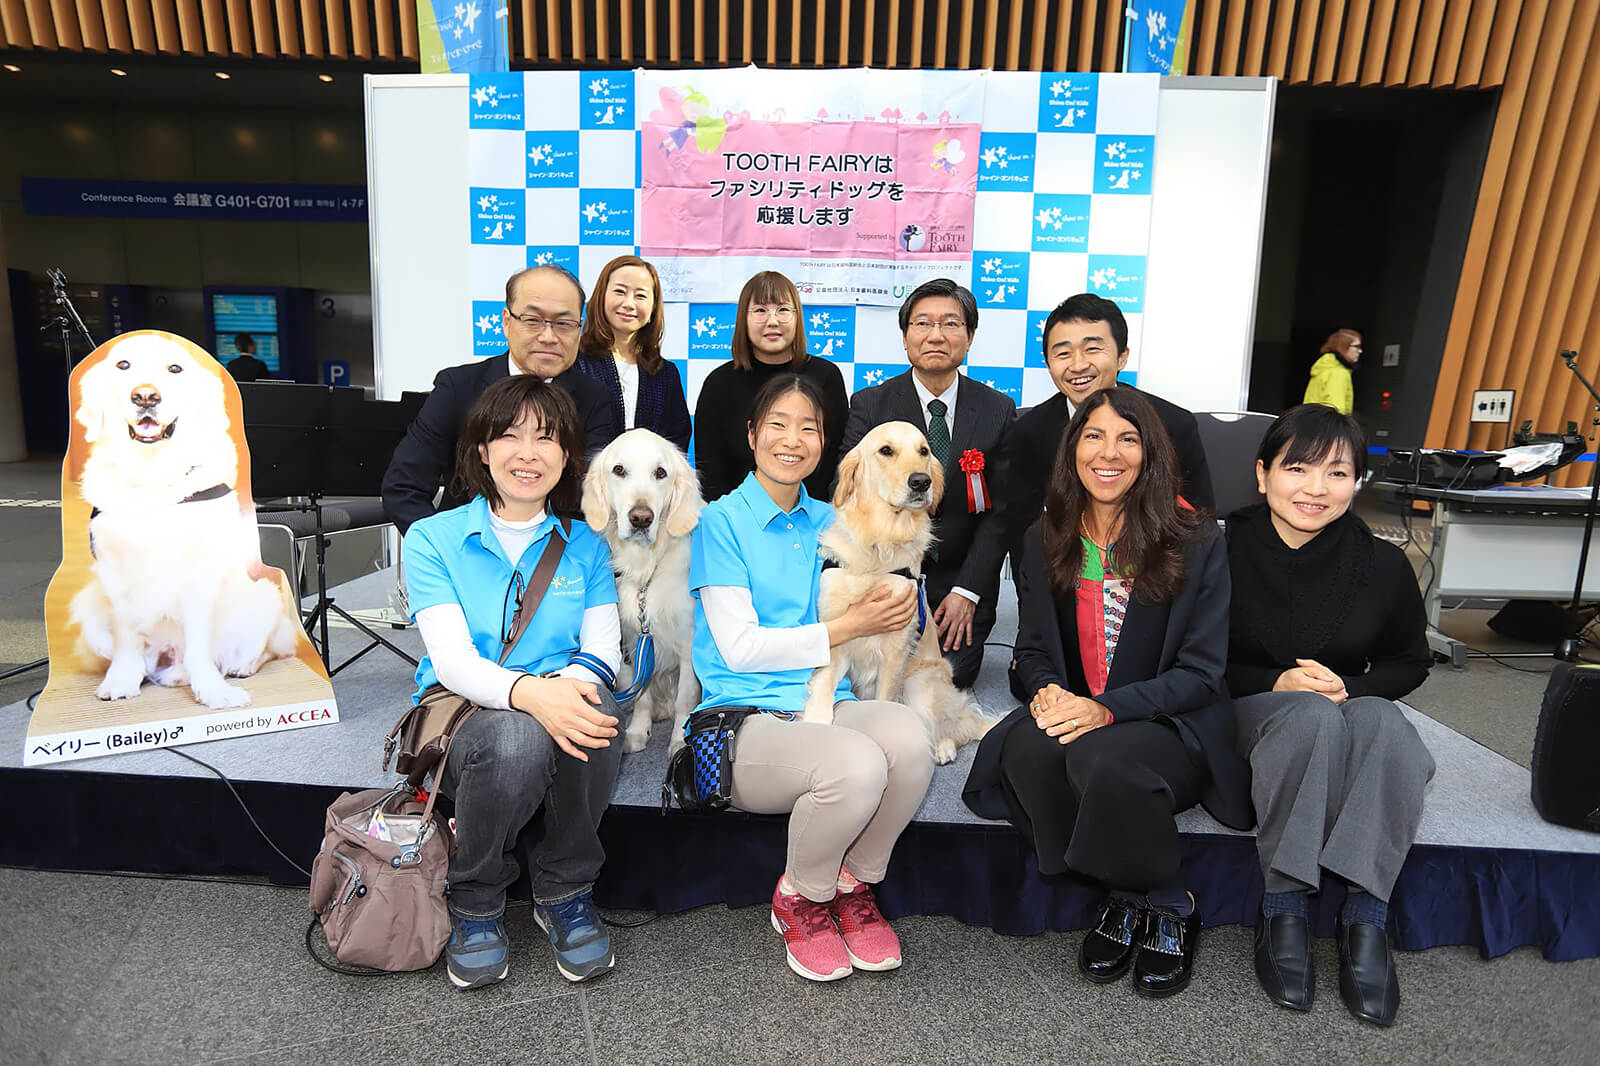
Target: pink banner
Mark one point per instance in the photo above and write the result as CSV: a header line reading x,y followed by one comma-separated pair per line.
x,y
882,192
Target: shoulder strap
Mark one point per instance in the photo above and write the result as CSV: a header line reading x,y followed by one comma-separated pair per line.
x,y
537,584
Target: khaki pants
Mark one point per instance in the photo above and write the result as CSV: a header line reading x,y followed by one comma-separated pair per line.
x,y
849,788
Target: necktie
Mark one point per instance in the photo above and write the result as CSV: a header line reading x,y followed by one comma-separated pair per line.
x,y
938,432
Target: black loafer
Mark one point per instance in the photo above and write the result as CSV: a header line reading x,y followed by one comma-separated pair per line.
x,y
1108,950
1166,957
1367,981
1283,960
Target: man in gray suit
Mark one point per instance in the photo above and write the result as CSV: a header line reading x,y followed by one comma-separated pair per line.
x,y
960,417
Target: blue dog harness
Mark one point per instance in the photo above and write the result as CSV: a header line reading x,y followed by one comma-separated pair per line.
x,y
922,591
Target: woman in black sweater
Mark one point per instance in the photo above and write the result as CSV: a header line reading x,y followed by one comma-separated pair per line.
x,y
769,338
621,349
1326,632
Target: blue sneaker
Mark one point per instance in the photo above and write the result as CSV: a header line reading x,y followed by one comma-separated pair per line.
x,y
583,947
477,953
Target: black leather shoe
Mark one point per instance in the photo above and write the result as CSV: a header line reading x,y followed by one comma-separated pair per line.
x,y
1367,981
1166,956
1108,950
1283,961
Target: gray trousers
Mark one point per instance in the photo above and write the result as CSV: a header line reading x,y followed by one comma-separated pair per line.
x,y
502,768
1337,787
849,788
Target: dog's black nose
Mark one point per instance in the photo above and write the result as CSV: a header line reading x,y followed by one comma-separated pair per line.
x,y
919,482
146,396
641,517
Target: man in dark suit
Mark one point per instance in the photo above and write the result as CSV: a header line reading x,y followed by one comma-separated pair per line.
x,y
542,320
959,416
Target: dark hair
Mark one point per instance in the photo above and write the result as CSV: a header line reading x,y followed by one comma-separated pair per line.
x,y
768,287
779,387
1087,307
245,343
1149,550
1339,342
547,268
1313,433
497,410
942,287
598,336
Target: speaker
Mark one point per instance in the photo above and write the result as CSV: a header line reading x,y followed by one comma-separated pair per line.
x,y
1566,786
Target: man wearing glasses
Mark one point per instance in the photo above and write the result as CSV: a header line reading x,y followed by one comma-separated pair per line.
x,y
968,427
543,318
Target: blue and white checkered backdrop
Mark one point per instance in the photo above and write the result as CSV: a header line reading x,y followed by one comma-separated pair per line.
x,y
1063,206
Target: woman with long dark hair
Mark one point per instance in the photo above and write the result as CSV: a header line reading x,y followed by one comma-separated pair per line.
x,y
1122,641
1328,632
769,339
621,349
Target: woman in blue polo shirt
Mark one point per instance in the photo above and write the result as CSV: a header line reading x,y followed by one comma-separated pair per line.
x,y
546,736
849,787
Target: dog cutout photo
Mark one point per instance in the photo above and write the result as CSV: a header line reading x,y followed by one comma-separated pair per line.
x,y
162,609
642,495
889,486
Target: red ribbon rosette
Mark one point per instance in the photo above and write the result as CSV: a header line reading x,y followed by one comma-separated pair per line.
x,y
971,464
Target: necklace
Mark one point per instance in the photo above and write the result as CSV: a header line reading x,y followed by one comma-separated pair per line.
x,y
1104,549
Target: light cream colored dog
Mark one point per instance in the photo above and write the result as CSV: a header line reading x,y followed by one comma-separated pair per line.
x,y
170,597
643,495
889,486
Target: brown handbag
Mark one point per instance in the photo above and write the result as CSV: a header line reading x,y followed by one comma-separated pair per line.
x,y
425,731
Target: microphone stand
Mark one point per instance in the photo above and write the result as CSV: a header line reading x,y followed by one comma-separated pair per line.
x,y
58,283
1567,650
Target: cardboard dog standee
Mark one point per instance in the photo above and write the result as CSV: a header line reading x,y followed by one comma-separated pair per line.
x,y
164,627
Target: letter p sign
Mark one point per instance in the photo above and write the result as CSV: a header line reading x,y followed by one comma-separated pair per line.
x,y
335,372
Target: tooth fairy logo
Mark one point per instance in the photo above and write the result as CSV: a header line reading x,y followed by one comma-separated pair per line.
x,y
488,328
1120,279
1000,279
711,330
605,216
1068,102
551,159
1122,163
1060,222
494,101
497,215
605,101
1005,161
831,333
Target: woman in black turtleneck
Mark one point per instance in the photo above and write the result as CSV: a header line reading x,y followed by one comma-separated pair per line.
x,y
769,338
1326,632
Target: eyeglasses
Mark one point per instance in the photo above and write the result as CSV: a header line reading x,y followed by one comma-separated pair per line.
x,y
782,314
511,606
949,325
563,327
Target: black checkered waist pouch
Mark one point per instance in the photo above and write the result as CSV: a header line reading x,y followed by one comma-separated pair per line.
x,y
700,774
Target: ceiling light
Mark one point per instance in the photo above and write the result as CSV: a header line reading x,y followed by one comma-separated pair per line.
x,y
13,68
324,77
223,75
119,72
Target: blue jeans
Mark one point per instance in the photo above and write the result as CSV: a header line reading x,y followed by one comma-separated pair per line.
x,y
502,768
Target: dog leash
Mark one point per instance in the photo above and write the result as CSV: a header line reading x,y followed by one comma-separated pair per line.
x,y
644,655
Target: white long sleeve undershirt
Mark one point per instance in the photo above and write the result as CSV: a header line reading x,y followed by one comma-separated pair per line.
x,y
749,647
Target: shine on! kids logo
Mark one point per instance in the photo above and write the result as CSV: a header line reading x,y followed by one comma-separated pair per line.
x,y
1006,161
494,101
605,101
1000,279
711,330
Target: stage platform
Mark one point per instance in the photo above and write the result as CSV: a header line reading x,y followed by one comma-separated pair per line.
x,y
1487,870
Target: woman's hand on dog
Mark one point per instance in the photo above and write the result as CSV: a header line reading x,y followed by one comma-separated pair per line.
x,y
1065,716
566,709
883,610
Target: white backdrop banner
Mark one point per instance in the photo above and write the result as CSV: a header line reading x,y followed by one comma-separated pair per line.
x,y
1027,187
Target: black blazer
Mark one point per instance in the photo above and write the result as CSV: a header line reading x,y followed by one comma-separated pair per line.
x,y
1170,665
1034,442
660,405
425,457
984,417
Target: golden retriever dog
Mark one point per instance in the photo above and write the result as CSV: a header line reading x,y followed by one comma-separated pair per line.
x,y
889,486
170,596
643,496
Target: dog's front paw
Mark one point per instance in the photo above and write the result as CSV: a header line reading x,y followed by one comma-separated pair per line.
x,y
120,684
817,712
219,695
637,736
944,752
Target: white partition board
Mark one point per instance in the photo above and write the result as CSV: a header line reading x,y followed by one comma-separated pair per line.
x,y
1211,159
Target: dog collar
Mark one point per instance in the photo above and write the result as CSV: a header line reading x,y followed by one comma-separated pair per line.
x,y
215,492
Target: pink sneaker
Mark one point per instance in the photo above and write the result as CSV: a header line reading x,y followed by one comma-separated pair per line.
x,y
868,938
815,950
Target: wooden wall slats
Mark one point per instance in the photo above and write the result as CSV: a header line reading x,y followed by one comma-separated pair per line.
x,y
142,29
1305,40
1232,39
1042,27
360,30
383,29
1401,37
1426,47
333,12
1085,38
1377,44
41,24
918,25
1497,57
675,30
64,20
1203,45
1476,44
239,25
1253,63
310,19
214,20
988,55
891,41
1014,36
14,21
1451,36
1328,42
1348,70
1277,63
869,23
552,28
1111,46
408,30
941,35
92,25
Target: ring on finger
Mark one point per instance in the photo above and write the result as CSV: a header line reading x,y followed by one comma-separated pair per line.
x,y
1073,724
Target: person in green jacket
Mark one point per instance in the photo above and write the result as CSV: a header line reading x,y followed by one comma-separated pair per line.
x,y
1330,375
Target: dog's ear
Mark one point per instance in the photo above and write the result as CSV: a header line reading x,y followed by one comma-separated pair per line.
x,y
683,510
596,500
849,483
937,470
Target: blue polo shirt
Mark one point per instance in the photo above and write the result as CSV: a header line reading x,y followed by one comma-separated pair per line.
x,y
746,540
454,557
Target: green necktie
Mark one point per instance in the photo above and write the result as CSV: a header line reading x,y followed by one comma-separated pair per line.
x,y
939,432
